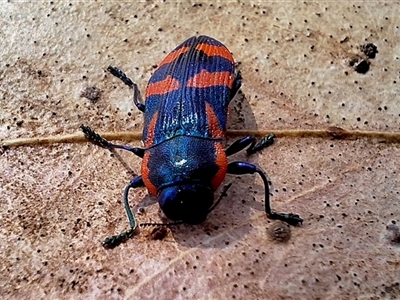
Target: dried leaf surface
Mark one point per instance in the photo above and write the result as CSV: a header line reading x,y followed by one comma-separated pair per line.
x,y
58,202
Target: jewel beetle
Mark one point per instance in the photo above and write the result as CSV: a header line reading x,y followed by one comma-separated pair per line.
x,y
185,117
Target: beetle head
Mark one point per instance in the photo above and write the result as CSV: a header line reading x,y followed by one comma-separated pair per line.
x,y
189,203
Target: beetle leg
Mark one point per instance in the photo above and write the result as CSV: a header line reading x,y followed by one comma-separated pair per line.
x,y
137,97
252,141
266,141
240,168
115,240
96,139
237,83
239,145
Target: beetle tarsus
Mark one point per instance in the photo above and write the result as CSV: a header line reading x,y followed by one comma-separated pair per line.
x,y
116,240
266,141
290,218
97,140
121,75
250,142
94,137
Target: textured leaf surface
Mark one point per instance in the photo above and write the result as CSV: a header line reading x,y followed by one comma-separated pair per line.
x,y
59,202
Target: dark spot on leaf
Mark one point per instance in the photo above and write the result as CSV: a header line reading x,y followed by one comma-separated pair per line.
x,y
92,93
279,231
370,50
158,233
359,64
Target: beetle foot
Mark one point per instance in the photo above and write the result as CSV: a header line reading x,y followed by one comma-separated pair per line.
x,y
116,240
291,219
94,137
266,141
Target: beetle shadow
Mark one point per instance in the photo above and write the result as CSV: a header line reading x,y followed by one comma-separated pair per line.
x,y
231,219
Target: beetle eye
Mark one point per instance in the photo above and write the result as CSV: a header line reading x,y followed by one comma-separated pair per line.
x,y
188,203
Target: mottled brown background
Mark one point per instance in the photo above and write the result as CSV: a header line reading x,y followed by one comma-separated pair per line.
x,y
58,202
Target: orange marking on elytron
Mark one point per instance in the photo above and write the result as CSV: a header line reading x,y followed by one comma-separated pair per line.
x,y
150,131
172,56
145,175
206,79
211,50
165,86
216,131
222,163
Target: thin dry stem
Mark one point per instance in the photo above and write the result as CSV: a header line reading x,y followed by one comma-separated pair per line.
x,y
331,133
